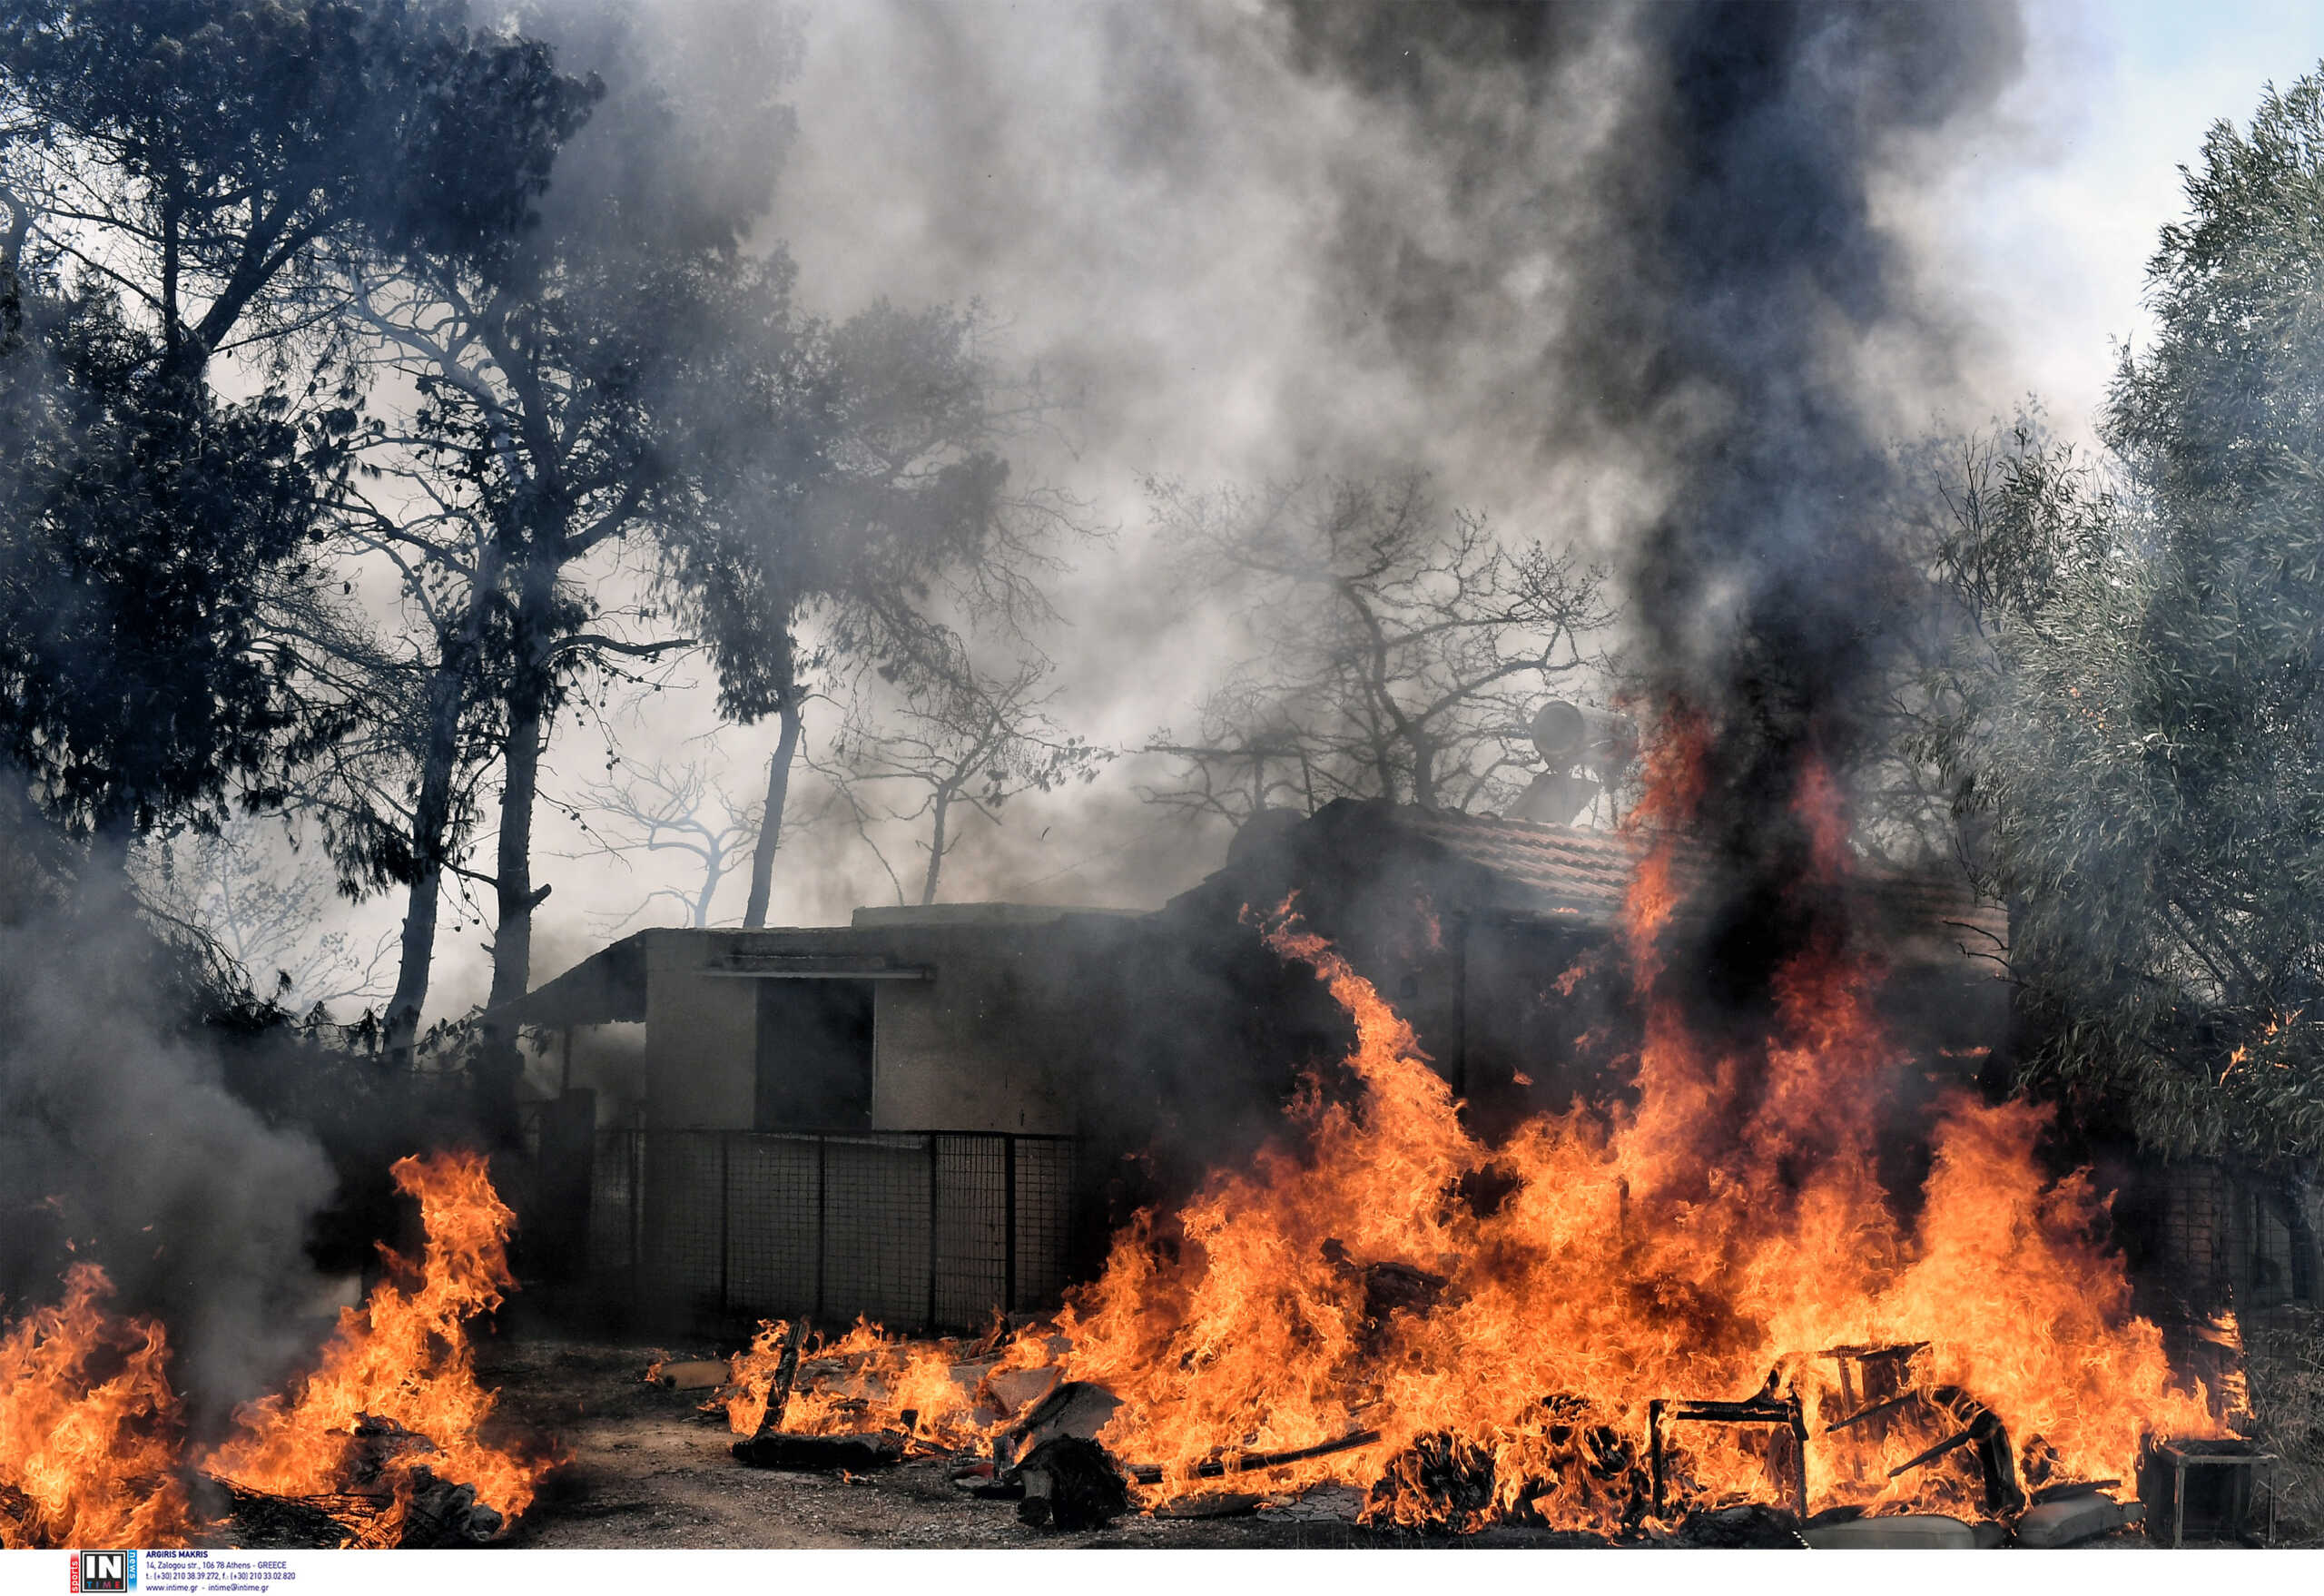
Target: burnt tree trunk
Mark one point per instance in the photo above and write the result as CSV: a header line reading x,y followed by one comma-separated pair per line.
x,y
529,706
449,688
778,793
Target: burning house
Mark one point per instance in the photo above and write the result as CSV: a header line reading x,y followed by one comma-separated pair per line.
x,y
398,396
906,1117
1697,1269
1495,937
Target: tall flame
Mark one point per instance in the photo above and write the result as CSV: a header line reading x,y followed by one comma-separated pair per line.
x,y
402,1358
1715,1238
1512,1313
89,1427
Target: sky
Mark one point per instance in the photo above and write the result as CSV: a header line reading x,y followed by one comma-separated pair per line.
x,y
1146,214
2050,223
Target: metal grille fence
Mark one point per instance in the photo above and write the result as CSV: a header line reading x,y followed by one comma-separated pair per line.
x,y
712,1228
2225,1238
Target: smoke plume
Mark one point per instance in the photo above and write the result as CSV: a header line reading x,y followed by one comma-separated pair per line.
x,y
1617,275
121,1144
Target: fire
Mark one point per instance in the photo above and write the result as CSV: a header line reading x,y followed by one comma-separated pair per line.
x,y
1709,1258
867,1374
1723,1235
91,1444
89,1427
403,1358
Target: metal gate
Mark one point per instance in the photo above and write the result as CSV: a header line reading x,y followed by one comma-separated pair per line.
x,y
708,1229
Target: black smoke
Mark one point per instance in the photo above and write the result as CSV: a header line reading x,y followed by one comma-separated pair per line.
x,y
123,1143
1728,263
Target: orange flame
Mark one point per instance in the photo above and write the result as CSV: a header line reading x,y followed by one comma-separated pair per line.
x,y
1709,1240
402,1358
1508,1313
89,1427
867,1379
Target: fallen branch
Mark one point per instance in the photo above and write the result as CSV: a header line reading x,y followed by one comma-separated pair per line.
x,y
786,1374
1899,1400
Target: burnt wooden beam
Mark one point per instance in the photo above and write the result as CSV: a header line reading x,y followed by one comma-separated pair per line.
x,y
1259,1462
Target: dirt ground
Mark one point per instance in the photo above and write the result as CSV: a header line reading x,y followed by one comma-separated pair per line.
x,y
646,1469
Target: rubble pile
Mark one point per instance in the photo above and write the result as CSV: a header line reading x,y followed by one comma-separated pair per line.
x,y
1018,1431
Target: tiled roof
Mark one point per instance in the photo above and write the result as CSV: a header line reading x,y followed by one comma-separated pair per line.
x,y
1562,869
1589,871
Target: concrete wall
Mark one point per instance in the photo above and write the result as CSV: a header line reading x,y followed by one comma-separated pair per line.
x,y
701,1039
968,1051
998,1038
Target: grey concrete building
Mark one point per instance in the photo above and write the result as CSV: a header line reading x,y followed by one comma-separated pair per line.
x,y
931,1113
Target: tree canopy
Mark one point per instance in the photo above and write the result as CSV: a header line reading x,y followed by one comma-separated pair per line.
x,y
1400,652
2146,742
180,175
303,296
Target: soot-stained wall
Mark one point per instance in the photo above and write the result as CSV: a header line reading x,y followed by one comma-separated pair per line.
x,y
1170,1042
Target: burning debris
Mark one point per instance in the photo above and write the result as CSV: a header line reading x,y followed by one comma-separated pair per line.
x,y
90,1431
1575,1355
382,1444
399,1370
1071,1483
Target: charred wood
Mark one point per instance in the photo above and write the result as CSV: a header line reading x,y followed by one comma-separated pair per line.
x,y
1862,1413
437,1512
442,1513
1388,1288
382,1444
1786,1414
1981,1428
1256,1462
1440,1481
261,1520
786,1374
1071,1483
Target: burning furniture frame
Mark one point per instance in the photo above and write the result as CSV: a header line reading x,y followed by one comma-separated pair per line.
x,y
1785,1413
2228,1471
